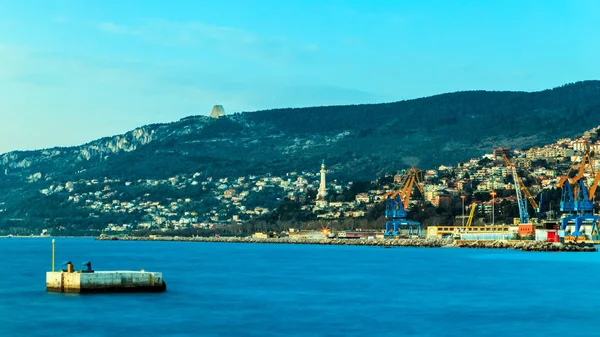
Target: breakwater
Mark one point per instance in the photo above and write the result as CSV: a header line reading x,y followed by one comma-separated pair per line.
x,y
416,242
339,242
539,246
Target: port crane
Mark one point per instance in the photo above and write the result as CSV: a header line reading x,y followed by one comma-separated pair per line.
x,y
520,186
586,198
469,220
584,205
571,188
567,199
577,198
471,214
397,203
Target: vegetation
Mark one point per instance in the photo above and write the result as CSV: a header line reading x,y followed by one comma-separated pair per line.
x,y
358,142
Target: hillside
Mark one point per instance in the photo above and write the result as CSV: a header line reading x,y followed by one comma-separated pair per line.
x,y
357,142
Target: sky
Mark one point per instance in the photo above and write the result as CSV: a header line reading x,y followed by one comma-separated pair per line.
x,y
72,71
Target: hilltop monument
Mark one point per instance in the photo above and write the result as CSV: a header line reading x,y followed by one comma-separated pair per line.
x,y
217,111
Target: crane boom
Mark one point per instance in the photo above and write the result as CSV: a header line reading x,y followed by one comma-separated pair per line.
x,y
563,179
528,195
522,206
581,171
418,178
594,186
586,160
397,189
403,190
407,192
470,220
519,184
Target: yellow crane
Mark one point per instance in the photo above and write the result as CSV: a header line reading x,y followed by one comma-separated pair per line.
x,y
412,178
471,214
586,161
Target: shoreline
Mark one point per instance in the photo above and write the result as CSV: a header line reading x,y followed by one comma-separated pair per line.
x,y
46,237
539,246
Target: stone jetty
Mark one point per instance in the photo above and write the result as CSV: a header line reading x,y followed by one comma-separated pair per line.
x,y
415,242
535,246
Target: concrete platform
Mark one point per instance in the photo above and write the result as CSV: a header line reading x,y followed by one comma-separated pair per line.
x,y
105,281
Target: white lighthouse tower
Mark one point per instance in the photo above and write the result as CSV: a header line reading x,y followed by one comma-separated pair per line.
x,y
322,188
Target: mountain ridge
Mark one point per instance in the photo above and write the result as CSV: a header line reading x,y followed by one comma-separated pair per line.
x,y
338,128
191,117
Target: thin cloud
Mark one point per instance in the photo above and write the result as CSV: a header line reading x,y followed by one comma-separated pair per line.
x,y
225,39
109,27
61,19
311,47
181,33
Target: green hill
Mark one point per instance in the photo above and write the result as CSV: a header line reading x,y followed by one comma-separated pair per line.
x,y
357,141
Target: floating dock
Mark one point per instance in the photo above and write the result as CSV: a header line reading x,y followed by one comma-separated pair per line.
x,y
104,281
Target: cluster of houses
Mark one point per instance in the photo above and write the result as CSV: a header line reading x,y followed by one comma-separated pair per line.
x,y
202,202
544,166
191,201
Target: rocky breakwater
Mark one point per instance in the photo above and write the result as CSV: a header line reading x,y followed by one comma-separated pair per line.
x,y
341,242
535,246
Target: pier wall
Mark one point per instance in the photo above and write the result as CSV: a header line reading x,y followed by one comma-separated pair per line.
x,y
104,281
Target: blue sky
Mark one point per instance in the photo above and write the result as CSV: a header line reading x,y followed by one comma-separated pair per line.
x,y
75,70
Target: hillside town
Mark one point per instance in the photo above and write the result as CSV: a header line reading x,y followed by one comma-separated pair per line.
x,y
197,201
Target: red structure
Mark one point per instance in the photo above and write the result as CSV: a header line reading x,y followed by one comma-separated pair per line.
x,y
553,236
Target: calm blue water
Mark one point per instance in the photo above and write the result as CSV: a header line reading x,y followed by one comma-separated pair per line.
x,y
273,290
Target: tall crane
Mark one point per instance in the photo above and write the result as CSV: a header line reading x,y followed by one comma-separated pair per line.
x,y
577,197
583,199
584,205
397,203
471,214
571,187
567,200
520,186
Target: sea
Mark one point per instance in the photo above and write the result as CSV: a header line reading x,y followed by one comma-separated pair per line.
x,y
236,289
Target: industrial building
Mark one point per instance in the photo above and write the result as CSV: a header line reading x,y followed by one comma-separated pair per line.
x,y
437,232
